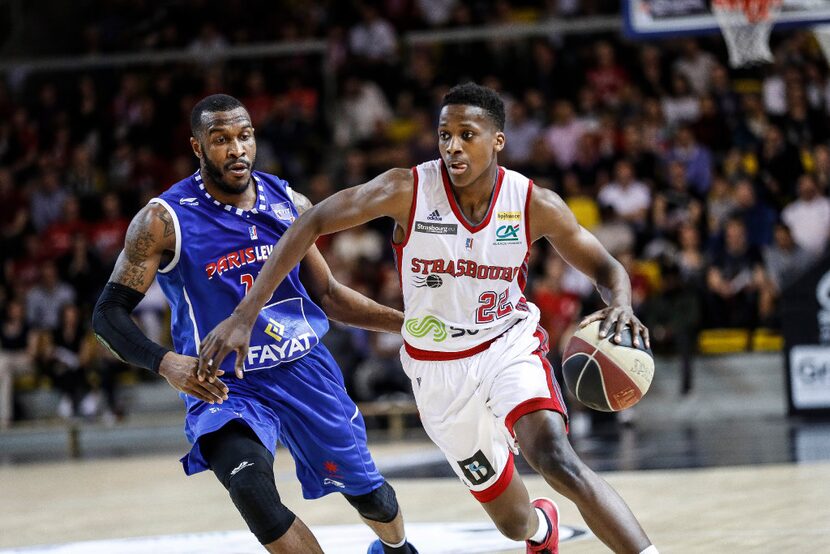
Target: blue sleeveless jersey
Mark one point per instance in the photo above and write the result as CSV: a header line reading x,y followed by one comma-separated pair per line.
x,y
220,249
298,398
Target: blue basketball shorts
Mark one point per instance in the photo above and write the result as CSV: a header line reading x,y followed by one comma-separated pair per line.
x,y
303,405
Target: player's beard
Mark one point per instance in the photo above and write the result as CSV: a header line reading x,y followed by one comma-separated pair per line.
x,y
217,175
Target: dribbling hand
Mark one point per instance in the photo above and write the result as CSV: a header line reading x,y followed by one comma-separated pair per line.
x,y
232,335
617,317
180,372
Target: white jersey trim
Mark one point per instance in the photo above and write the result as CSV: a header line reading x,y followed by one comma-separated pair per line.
x,y
177,252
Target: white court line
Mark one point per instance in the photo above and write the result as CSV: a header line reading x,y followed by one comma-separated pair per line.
x,y
429,538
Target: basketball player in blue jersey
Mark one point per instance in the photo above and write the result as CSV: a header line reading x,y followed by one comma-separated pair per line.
x,y
206,239
472,349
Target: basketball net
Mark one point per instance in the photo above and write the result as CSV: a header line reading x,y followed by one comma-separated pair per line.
x,y
746,26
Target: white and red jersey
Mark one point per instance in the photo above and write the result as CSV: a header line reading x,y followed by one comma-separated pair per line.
x,y
463,284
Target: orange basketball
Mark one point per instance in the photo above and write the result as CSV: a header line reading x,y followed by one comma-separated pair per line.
x,y
604,375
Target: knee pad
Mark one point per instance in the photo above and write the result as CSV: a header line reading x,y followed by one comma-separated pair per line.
x,y
254,493
380,505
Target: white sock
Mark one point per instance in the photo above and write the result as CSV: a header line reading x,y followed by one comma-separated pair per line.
x,y
650,550
403,542
544,527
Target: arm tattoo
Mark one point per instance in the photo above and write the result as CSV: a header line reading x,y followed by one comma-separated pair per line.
x,y
130,270
169,229
302,203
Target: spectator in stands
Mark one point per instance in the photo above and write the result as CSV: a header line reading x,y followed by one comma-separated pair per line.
x,y
821,167
84,271
68,351
583,205
780,163
696,65
563,135
559,309
48,199
58,236
16,349
643,161
675,205
784,260
107,235
363,112
14,210
674,316
808,217
652,79
696,160
691,261
607,78
373,38
45,301
753,123
83,178
734,280
682,106
720,203
759,218
629,198
523,132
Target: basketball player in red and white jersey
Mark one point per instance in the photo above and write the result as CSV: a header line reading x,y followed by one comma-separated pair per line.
x,y
473,347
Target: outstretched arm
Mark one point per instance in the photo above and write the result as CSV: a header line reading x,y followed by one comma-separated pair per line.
x,y
340,302
551,218
389,194
150,237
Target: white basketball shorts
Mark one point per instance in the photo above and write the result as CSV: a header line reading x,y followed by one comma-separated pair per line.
x,y
468,407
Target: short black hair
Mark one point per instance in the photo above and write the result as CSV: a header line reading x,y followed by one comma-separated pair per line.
x,y
471,94
212,103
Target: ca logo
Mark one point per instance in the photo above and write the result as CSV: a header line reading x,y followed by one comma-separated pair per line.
x,y
507,233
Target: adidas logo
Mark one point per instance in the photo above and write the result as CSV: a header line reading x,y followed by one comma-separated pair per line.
x,y
434,216
240,467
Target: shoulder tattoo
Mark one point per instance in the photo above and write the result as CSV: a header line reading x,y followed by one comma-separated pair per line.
x,y
169,228
131,268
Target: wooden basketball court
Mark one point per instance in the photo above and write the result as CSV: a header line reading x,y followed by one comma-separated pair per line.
x,y
767,508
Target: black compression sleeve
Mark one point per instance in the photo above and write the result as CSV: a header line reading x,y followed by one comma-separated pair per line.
x,y
116,330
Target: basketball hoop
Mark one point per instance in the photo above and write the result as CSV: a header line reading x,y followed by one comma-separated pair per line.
x,y
746,26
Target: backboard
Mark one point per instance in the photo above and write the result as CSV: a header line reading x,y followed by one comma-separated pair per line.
x,y
670,18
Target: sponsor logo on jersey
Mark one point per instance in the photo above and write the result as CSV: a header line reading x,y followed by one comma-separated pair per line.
x,y
477,469
283,211
421,327
464,268
436,228
281,334
238,258
432,281
507,234
338,484
188,202
252,232
509,216
434,216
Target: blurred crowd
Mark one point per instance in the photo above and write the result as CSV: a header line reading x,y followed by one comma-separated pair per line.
x,y
709,184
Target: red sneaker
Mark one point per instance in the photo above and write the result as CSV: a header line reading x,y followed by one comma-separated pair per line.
x,y
551,543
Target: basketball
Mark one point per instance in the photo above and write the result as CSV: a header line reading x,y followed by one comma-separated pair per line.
x,y
604,375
